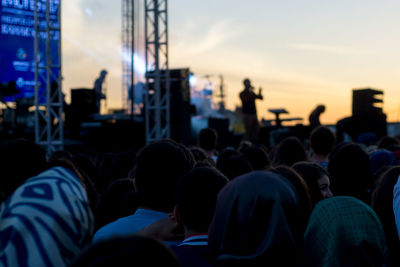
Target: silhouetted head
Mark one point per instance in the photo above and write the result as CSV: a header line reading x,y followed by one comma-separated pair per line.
x,y
322,140
208,138
224,155
349,169
256,222
86,164
257,157
289,151
343,231
198,154
317,179
382,203
235,166
196,197
321,108
103,73
387,141
158,168
247,83
123,251
119,200
302,190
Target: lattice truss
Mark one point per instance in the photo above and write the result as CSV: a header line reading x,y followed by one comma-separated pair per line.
x,y
49,98
127,50
157,101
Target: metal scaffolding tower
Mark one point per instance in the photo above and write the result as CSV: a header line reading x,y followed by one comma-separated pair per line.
x,y
128,48
157,100
49,128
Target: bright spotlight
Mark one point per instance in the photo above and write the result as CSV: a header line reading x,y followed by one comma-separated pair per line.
x,y
192,80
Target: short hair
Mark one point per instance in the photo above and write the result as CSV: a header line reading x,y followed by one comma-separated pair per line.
x,y
117,201
349,168
159,167
257,157
225,155
208,138
289,151
197,195
322,140
235,166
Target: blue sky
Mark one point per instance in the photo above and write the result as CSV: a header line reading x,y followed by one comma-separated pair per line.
x,y
301,52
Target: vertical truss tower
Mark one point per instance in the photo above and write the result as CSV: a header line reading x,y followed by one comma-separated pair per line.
x,y
49,128
128,48
157,100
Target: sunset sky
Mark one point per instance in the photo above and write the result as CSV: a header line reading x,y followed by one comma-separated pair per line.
x,y
301,53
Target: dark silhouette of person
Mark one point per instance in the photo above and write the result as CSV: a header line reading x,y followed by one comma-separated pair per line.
x,y
159,167
248,98
382,203
98,89
195,206
314,116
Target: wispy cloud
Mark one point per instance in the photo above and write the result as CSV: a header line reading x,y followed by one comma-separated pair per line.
x,y
218,34
330,49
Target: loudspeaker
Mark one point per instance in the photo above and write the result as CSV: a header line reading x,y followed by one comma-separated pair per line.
x,y
366,116
83,100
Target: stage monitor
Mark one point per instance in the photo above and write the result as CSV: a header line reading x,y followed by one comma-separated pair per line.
x,y
17,54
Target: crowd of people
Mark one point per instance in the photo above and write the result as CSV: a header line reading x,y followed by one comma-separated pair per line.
x,y
313,202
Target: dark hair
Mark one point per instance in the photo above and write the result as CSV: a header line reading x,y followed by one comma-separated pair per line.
x,y
119,200
235,166
322,140
86,164
135,250
208,139
60,154
289,151
349,169
115,166
311,173
387,141
302,189
20,160
196,197
158,168
225,155
201,158
382,203
257,157
198,153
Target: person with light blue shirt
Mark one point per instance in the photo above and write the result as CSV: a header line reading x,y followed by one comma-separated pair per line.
x,y
159,167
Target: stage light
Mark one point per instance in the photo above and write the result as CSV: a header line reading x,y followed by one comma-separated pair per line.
x,y
140,65
192,80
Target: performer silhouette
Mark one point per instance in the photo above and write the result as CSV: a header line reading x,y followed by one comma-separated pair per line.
x,y
248,98
98,89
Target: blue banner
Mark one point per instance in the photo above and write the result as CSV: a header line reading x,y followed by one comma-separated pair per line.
x,y
17,55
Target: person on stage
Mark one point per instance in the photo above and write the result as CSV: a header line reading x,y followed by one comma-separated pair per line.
x,y
98,89
248,98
